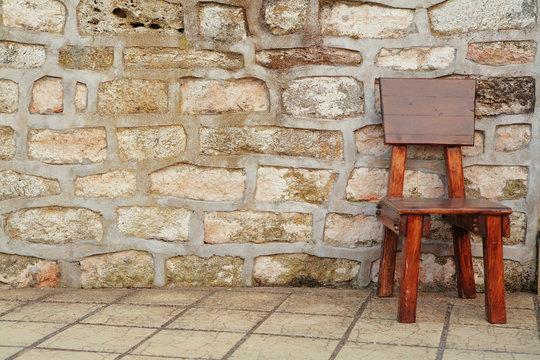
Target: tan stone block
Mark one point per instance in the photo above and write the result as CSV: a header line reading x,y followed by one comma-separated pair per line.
x,y
284,17
497,53
313,55
369,140
81,97
37,15
21,56
132,96
303,269
16,185
293,184
422,184
416,58
320,144
223,96
244,300
86,57
436,272
366,184
256,227
152,222
515,277
9,96
350,231
518,230
199,182
332,327
47,96
512,137
478,148
25,271
54,225
220,22
129,268
496,182
196,271
76,146
8,147
151,142
116,183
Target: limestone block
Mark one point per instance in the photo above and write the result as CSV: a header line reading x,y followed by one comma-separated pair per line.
x,y
132,96
313,55
366,184
17,185
284,17
9,96
35,15
150,142
416,58
222,23
18,271
478,148
496,182
422,184
369,140
256,227
512,137
47,96
86,58
192,270
121,269
505,95
515,278
8,147
154,223
342,230
21,56
437,273
496,53
116,183
518,230
81,97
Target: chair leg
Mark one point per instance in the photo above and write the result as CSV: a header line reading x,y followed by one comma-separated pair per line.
x,y
494,271
463,260
411,266
385,286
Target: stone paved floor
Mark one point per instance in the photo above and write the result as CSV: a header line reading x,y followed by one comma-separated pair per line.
x,y
257,323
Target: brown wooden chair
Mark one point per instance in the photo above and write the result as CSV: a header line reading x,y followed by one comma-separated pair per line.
x,y
436,112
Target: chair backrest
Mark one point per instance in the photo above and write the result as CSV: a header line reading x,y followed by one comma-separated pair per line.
x,y
428,111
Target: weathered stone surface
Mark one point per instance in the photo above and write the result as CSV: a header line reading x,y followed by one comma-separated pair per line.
x,y
220,22
369,140
172,58
47,96
18,271
121,269
8,146
425,152
366,184
116,183
313,55
496,182
324,97
497,53
223,96
350,231
505,95
150,142
514,276
132,96
81,97
437,273
16,185
86,57
35,15
303,270
54,225
130,17
293,184
77,146
256,227
359,20
199,182
9,96
416,58
21,56
512,137
271,140
462,16
285,16
422,184
196,271
155,223
478,148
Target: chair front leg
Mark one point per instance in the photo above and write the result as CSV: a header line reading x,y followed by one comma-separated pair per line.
x,y
385,286
494,271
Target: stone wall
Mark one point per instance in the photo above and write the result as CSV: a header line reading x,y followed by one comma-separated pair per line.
x,y
176,142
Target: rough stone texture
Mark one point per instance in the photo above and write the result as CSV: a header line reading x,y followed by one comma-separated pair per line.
x,y
132,96
515,278
359,20
35,15
369,140
313,55
416,58
293,184
303,270
8,146
518,230
324,97
47,96
155,223
130,17
171,58
199,182
16,185
437,273
422,184
150,142
222,23
256,227
350,231
512,137
86,57
462,16
497,53
18,271
21,56
54,225
284,17
121,269
192,270
366,184
478,148
271,140
81,97
505,95
77,146
9,96
496,182
223,96
111,184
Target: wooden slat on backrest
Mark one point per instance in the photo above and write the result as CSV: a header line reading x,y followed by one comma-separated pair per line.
x,y
428,111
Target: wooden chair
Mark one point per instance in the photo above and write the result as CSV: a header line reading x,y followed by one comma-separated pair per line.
x,y
436,112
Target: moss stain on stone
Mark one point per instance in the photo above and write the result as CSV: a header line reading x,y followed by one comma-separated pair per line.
x,y
514,189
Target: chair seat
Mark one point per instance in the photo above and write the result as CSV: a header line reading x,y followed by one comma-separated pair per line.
x,y
404,206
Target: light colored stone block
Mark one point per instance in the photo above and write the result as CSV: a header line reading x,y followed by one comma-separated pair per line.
x,y
153,222
151,142
496,182
35,15
342,230
47,96
196,271
112,184
86,58
132,96
26,271
17,185
9,96
8,147
512,137
284,17
497,53
222,23
416,58
21,56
